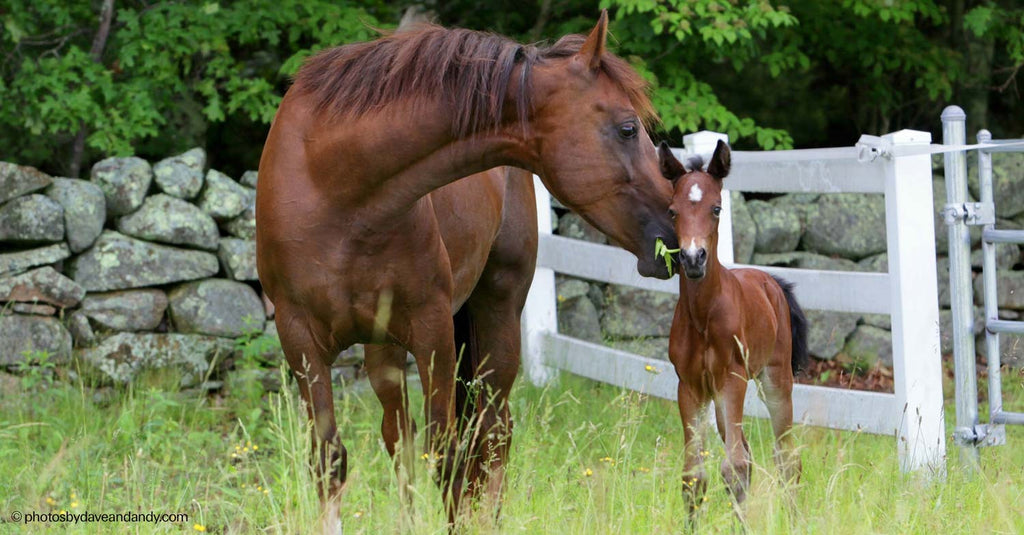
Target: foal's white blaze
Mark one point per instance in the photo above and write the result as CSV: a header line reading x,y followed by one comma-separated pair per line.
x,y
695,193
692,249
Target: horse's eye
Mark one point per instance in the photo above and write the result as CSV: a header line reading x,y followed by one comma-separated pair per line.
x,y
717,210
672,213
628,130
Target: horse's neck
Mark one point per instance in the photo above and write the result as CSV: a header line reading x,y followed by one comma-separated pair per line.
x,y
430,158
699,296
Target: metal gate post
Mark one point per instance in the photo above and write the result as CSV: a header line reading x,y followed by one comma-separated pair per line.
x,y
961,293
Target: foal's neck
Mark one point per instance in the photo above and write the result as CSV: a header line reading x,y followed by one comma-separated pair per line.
x,y
700,295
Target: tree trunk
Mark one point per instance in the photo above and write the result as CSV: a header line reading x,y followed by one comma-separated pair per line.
x,y
99,43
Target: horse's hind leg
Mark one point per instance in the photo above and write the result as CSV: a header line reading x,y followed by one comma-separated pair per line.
x,y
309,362
777,384
385,367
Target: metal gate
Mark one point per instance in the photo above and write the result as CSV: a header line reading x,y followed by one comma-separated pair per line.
x,y
959,215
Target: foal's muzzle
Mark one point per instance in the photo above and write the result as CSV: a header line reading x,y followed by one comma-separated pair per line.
x,y
694,262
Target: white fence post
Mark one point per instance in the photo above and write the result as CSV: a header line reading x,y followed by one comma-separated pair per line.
x,y
917,366
703,143
540,313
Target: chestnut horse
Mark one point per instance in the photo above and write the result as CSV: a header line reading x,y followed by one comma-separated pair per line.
x,y
350,249
730,325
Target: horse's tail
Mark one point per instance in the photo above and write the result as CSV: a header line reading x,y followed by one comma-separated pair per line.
x,y
798,324
467,351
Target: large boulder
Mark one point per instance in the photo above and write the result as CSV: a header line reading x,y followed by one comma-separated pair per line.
x,y
181,176
571,225
243,226
124,182
778,226
1007,184
238,258
18,180
805,260
24,335
167,219
827,332
577,315
44,285
1009,286
121,357
217,307
222,197
655,347
633,313
18,261
117,262
33,218
868,345
850,225
744,231
126,310
85,210
249,179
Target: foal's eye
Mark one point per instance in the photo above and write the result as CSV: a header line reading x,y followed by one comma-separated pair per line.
x,y
672,213
628,130
717,211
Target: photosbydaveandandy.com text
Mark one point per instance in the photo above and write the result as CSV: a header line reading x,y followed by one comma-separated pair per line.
x,y
85,517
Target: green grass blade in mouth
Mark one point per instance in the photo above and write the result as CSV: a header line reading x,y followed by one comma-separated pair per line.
x,y
664,252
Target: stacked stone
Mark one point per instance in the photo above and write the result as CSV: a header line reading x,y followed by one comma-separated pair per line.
x,y
828,232
137,267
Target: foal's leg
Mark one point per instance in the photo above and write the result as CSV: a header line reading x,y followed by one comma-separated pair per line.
x,y
385,367
310,363
777,384
737,465
695,479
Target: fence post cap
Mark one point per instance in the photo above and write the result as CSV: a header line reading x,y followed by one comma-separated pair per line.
x,y
908,137
953,113
984,136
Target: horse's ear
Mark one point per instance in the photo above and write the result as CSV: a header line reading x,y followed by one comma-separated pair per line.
x,y
667,162
721,161
593,48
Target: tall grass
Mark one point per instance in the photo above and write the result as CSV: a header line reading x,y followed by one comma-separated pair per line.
x,y
586,458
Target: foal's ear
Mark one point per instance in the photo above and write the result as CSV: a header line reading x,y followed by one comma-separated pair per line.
x,y
593,48
667,162
721,161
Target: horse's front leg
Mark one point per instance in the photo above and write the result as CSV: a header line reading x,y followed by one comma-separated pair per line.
x,y
385,367
695,479
432,343
736,465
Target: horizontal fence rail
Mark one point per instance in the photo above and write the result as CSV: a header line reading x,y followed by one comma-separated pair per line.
x,y
908,293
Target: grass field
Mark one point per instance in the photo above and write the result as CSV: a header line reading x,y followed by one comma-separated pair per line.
x,y
586,458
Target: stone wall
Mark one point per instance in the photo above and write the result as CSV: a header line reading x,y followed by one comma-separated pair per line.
x,y
153,265
140,266
832,232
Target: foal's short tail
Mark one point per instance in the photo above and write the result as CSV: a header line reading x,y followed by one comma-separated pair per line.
x,y
798,322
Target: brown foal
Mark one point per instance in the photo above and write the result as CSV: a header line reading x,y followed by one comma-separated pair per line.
x,y
730,325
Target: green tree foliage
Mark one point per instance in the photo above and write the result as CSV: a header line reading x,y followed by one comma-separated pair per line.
x,y
771,73
167,68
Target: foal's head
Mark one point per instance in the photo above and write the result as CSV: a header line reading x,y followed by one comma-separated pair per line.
x,y
696,205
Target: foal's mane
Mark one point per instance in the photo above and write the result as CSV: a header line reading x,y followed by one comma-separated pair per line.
x,y
469,71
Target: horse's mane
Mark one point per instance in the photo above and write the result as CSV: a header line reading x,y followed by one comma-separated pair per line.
x,y
468,70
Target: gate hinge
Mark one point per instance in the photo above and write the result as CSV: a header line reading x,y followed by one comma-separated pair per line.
x,y
980,435
970,213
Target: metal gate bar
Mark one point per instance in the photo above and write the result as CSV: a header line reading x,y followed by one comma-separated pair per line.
x,y
993,325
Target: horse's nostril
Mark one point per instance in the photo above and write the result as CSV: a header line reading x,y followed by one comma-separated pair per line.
x,y
702,255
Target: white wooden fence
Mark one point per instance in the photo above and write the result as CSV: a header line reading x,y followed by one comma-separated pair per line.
x,y
908,293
